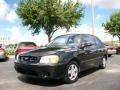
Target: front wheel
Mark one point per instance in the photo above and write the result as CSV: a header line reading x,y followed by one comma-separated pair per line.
x,y
72,72
103,65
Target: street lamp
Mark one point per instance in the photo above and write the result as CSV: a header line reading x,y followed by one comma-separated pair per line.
x,y
92,6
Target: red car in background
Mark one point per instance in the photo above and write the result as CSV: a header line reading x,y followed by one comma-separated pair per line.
x,y
24,46
111,50
3,53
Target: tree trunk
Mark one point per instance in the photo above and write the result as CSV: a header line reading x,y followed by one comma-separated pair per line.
x,y
119,39
49,38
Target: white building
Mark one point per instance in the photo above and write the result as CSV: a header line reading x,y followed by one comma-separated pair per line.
x,y
5,40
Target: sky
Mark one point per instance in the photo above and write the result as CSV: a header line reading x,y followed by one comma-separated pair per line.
x,y
11,26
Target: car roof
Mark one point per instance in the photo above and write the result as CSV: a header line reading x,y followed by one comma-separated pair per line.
x,y
76,35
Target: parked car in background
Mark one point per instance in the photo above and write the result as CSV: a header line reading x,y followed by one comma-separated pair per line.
x,y
3,53
118,50
63,58
24,46
111,50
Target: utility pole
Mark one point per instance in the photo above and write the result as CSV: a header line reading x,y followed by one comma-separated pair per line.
x,y
93,23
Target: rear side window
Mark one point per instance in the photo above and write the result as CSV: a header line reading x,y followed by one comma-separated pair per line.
x,y
89,39
26,44
99,43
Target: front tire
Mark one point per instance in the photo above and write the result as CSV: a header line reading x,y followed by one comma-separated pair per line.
x,y
72,72
103,65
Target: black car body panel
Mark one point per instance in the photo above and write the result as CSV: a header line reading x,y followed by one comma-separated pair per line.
x,y
41,71
86,56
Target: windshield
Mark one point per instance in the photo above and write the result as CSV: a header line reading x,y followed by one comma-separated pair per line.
x,y
61,41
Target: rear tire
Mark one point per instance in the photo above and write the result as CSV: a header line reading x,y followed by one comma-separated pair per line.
x,y
109,55
103,65
72,72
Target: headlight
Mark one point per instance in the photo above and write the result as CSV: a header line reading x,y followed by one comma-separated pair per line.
x,y
51,59
17,57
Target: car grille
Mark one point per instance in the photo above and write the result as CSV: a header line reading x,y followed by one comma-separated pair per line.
x,y
28,59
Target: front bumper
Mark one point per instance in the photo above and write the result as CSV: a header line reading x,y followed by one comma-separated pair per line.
x,y
41,71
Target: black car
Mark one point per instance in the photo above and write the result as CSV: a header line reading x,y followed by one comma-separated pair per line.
x,y
63,58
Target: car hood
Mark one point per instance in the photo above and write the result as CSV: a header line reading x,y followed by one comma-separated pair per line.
x,y
45,51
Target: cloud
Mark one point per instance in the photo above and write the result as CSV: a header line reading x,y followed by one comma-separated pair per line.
x,y
107,4
40,39
11,16
86,2
98,17
81,29
111,4
85,29
17,36
7,13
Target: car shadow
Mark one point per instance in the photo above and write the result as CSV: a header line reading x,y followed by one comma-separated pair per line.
x,y
52,83
4,60
111,56
41,82
88,72
118,54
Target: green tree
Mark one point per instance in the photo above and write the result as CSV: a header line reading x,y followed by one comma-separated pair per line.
x,y
112,26
49,15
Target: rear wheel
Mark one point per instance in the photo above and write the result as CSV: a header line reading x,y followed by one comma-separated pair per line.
x,y
72,72
109,55
103,65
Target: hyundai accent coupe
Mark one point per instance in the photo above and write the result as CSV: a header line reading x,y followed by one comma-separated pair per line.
x,y
63,58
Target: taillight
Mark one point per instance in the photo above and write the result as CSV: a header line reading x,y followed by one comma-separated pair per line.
x,y
2,50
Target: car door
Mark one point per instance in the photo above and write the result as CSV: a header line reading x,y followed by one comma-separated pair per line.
x,y
100,50
87,54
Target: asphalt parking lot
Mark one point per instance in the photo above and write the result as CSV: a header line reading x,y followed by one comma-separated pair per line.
x,y
93,79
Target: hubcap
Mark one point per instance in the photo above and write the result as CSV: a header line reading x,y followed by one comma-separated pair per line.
x,y
104,62
72,72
